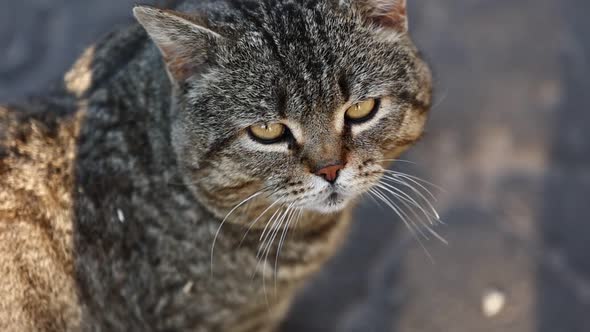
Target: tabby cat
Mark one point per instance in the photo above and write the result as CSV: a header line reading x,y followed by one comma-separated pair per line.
x,y
192,171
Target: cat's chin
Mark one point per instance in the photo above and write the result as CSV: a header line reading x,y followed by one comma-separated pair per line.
x,y
332,204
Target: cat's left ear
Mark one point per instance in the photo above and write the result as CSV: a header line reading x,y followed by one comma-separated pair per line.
x,y
386,14
183,40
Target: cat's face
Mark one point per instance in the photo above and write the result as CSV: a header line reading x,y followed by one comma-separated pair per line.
x,y
302,104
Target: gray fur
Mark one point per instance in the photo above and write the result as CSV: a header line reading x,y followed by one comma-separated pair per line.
x,y
154,154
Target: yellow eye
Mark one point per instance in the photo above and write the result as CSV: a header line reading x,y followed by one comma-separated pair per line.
x,y
268,132
362,110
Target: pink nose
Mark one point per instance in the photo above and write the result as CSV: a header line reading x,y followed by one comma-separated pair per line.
x,y
330,173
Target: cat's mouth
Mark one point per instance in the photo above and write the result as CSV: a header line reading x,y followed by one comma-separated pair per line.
x,y
333,202
334,199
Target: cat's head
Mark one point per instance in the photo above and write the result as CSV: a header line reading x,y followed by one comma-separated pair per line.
x,y
300,103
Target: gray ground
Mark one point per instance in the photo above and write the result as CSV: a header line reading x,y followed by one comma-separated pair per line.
x,y
509,141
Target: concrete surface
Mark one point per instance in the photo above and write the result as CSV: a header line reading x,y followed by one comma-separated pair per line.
x,y
508,141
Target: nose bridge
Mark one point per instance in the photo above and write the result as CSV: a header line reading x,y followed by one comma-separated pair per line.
x,y
322,148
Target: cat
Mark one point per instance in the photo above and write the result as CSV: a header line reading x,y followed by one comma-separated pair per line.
x,y
193,170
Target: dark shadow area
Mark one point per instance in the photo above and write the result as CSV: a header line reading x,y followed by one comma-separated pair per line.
x,y
563,282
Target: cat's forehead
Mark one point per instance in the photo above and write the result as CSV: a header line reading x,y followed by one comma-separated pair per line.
x,y
300,56
289,59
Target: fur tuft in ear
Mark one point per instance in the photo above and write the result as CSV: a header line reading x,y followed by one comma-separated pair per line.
x,y
183,40
388,14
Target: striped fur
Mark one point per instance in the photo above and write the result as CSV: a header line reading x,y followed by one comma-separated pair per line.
x,y
132,198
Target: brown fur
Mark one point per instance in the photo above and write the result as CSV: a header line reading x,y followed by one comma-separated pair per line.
x,y
36,232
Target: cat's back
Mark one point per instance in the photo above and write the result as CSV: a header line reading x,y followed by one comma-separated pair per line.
x,y
41,143
37,147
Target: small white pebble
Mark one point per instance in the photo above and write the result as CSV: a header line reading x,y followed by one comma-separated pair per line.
x,y
120,215
493,302
188,287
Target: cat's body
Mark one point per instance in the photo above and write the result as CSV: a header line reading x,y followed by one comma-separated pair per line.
x,y
103,227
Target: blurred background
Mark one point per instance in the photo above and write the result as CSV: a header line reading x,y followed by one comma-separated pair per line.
x,y
508,141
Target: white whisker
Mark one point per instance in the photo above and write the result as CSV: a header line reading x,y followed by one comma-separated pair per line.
x,y
397,160
395,209
225,219
272,221
389,203
406,203
415,178
407,198
402,179
424,212
425,224
416,191
418,225
282,240
267,223
270,239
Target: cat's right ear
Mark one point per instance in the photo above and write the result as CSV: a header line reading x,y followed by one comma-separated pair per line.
x,y
183,40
